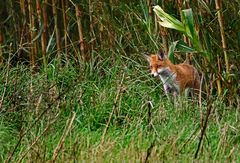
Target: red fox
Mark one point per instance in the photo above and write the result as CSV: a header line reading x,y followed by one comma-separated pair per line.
x,y
176,78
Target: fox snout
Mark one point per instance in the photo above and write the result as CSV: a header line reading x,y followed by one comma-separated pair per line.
x,y
154,74
157,71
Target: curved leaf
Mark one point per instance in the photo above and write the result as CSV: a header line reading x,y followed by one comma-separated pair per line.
x,y
168,20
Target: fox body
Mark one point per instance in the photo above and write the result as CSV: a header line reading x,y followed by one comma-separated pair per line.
x,y
176,78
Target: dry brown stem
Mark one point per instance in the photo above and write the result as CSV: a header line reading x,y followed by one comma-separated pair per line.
x,y
113,108
62,139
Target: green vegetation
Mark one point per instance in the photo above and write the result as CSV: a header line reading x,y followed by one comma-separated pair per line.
x,y
142,115
75,86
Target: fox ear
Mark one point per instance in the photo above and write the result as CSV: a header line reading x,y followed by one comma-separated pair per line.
x,y
161,54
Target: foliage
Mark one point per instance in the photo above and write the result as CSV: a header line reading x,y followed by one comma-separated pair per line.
x,y
75,86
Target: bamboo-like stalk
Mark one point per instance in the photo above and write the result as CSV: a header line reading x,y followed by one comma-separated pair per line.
x,y
57,32
32,33
45,21
81,41
179,5
148,2
43,35
218,4
91,32
14,25
22,6
111,4
101,27
65,21
35,48
24,20
1,43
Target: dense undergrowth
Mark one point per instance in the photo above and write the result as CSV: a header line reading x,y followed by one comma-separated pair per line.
x,y
37,110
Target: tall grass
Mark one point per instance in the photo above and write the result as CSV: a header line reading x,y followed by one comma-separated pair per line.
x,y
143,123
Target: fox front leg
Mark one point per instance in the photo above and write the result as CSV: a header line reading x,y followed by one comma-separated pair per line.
x,y
167,88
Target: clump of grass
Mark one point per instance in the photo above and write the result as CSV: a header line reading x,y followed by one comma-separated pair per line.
x,y
7,138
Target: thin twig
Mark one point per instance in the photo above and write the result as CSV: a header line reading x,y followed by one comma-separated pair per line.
x,y
149,151
22,135
65,133
200,92
150,107
6,82
200,100
195,132
32,125
209,109
36,140
113,109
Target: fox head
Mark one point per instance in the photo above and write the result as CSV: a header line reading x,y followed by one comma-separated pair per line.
x,y
158,63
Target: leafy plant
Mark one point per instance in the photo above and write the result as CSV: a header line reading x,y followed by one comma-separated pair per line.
x,y
185,26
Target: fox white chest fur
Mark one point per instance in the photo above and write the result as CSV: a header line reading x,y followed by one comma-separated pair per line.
x,y
168,79
175,78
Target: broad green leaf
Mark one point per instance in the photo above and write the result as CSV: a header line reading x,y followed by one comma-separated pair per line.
x,y
178,45
188,20
168,20
183,47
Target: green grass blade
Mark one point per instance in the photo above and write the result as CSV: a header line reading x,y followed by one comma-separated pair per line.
x,y
183,47
171,51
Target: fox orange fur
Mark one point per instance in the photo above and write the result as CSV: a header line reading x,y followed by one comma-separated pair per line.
x,y
175,78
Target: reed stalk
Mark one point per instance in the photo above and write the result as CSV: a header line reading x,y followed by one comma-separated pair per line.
x,y
65,22
22,6
100,26
80,32
45,23
43,35
24,20
91,30
111,4
32,27
149,5
1,44
57,32
14,23
218,4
